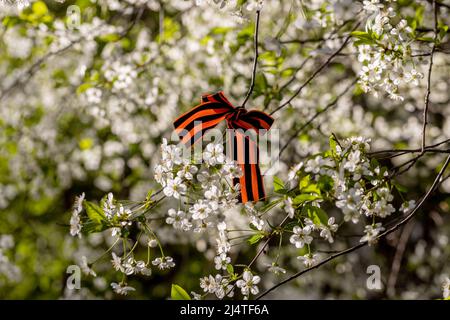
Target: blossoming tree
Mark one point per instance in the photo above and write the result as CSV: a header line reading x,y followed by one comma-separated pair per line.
x,y
92,174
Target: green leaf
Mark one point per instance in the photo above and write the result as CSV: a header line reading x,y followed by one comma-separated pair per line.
x,y
39,8
304,197
325,184
111,37
287,72
311,188
261,84
359,34
443,29
230,269
82,88
316,214
419,15
400,188
221,30
278,185
363,41
363,37
148,198
86,143
333,143
94,212
426,39
255,238
92,227
305,181
178,293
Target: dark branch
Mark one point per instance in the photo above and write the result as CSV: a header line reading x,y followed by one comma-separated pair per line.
x,y
327,107
404,151
255,60
317,71
436,182
430,68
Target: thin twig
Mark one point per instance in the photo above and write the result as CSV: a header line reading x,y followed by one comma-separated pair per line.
x,y
318,113
408,150
317,71
267,242
292,79
430,68
255,60
436,182
309,40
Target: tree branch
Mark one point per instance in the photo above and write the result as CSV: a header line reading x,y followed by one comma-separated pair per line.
x,y
404,151
318,113
430,68
317,71
255,60
436,182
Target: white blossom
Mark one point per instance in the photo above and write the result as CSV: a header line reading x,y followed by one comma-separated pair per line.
x,y
121,288
221,261
301,236
371,233
248,283
214,154
309,260
164,262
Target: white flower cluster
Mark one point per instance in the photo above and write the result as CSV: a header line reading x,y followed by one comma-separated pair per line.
x,y
64,36
303,236
116,215
179,177
221,286
358,189
371,233
255,220
130,266
75,221
217,285
355,197
164,262
120,75
223,247
121,288
387,57
86,267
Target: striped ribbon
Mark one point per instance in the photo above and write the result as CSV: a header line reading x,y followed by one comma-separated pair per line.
x,y
214,108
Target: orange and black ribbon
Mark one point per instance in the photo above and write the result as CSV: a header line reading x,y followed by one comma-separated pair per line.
x,y
214,108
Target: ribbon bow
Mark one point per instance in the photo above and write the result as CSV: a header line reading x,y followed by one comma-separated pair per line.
x,y
214,108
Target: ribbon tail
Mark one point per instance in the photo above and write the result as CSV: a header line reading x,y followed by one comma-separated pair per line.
x,y
245,152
